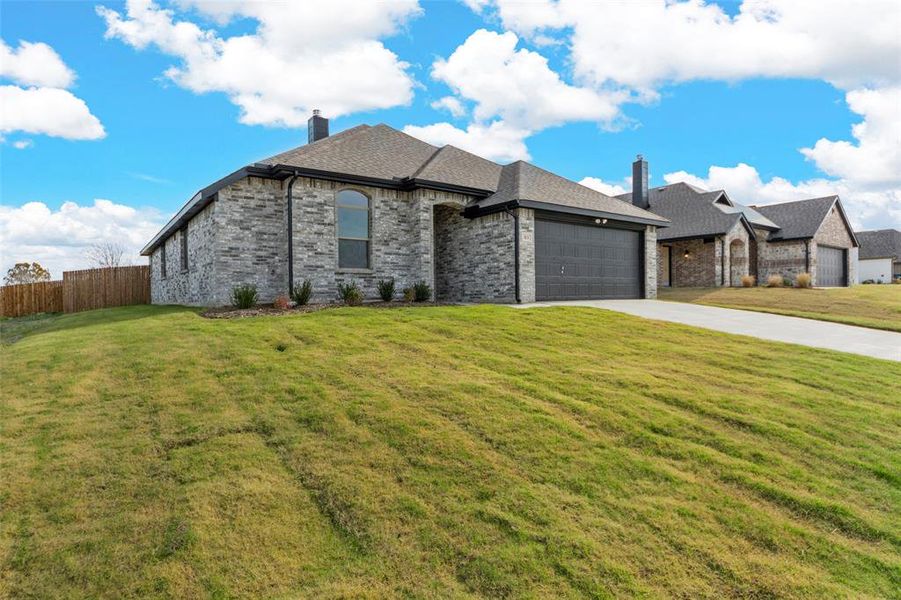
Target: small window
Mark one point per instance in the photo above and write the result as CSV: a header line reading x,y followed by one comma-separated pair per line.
x,y
163,260
353,230
184,249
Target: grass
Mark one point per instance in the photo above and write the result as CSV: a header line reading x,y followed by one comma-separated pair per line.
x,y
874,306
441,452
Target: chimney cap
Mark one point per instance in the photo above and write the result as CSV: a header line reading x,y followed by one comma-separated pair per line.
x,y
639,157
315,112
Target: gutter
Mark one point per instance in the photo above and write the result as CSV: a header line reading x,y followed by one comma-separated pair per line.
x,y
515,254
723,262
807,256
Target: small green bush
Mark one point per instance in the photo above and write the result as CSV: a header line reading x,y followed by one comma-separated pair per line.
x,y
244,296
786,282
409,295
421,291
301,292
350,293
386,289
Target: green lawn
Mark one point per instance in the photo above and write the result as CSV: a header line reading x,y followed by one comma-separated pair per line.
x,y
441,452
875,306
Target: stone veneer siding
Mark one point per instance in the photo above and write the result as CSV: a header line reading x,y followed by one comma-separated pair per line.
x,y
789,258
651,266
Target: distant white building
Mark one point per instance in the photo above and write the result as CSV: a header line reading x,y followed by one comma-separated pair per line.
x,y
880,255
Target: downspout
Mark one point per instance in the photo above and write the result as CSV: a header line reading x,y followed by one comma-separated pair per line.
x,y
515,253
807,256
291,234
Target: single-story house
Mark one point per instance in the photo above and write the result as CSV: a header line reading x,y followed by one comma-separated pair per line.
x,y
374,203
714,241
880,255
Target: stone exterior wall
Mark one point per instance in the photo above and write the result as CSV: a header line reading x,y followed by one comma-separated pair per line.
x,y
786,259
526,254
736,240
650,262
192,286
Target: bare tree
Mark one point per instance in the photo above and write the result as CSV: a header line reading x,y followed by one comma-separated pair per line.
x,y
106,254
26,273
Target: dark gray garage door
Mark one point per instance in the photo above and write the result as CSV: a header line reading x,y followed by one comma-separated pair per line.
x,y
831,266
578,262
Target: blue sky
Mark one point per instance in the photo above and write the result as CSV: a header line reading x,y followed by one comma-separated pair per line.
x,y
165,136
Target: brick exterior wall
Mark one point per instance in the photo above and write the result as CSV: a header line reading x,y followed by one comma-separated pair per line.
x,y
699,268
194,285
241,238
651,262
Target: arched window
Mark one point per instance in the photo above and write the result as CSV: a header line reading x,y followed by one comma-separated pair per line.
x,y
353,230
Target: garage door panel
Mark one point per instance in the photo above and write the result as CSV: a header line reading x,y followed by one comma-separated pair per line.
x,y
831,266
575,261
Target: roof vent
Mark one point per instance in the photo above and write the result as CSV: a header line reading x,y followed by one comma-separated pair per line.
x,y
317,127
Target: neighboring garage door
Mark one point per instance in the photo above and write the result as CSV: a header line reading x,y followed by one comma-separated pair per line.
x,y
831,267
578,262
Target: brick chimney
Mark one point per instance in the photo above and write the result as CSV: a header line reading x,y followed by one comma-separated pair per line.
x,y
317,127
640,183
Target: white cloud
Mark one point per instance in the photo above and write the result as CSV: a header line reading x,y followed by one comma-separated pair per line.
x,y
43,107
866,208
515,94
48,111
34,64
497,140
299,57
450,104
644,44
23,144
876,158
611,189
58,239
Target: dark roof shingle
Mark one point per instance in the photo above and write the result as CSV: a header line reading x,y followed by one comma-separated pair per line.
x,y
799,219
881,243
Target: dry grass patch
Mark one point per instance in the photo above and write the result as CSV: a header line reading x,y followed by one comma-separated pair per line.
x,y
875,306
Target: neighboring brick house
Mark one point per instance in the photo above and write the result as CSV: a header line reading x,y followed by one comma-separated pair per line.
x,y
373,203
713,241
879,256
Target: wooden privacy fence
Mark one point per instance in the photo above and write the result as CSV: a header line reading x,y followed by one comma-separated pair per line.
x,y
30,298
79,290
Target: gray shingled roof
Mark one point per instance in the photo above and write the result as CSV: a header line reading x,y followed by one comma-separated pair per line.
x,y
754,217
882,243
693,212
458,167
522,181
799,219
380,152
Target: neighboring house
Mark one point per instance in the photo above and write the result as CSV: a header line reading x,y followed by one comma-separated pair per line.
x,y
880,255
373,203
714,241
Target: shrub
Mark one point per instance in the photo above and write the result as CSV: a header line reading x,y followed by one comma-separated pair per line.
x,y
803,280
281,302
350,293
748,280
421,291
386,289
786,281
896,281
409,294
244,296
774,281
868,282
302,291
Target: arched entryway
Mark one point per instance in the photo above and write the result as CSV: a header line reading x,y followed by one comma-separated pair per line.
x,y
738,262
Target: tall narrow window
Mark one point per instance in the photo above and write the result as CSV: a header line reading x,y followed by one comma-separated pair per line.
x,y
353,230
184,248
163,260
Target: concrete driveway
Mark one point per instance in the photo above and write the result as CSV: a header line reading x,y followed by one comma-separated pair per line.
x,y
807,332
